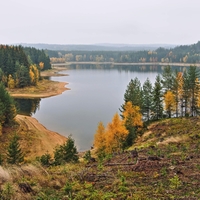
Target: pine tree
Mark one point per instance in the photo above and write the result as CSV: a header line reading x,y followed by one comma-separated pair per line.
x,y
14,153
23,77
186,94
66,152
178,92
167,79
133,94
7,104
157,98
193,76
147,99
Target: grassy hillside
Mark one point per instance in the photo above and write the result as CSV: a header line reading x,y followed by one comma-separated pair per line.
x,y
167,167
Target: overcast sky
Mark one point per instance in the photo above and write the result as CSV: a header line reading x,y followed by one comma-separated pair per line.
x,y
100,21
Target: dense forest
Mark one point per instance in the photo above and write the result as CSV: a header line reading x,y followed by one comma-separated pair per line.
x,y
179,54
20,67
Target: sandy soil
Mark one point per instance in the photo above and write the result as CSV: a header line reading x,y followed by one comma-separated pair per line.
x,y
35,139
45,88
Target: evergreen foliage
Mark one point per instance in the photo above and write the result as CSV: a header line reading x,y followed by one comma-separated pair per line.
x,y
14,153
87,156
45,159
147,100
133,93
157,99
7,107
66,152
36,56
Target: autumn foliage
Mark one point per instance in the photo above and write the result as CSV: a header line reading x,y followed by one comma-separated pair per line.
x,y
132,115
169,101
111,138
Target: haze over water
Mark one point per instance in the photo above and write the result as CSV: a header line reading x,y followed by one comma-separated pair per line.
x,y
96,95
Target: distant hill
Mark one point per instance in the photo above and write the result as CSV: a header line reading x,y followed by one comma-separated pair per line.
x,y
98,47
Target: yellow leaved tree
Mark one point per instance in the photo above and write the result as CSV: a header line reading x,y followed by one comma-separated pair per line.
x,y
34,74
170,104
115,134
132,115
11,82
99,139
111,138
132,118
41,65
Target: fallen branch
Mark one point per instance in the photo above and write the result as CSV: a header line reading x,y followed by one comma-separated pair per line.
x,y
114,164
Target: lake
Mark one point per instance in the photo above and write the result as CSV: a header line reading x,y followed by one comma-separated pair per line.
x,y
96,94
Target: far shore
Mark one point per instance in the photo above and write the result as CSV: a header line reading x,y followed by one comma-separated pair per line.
x,y
113,63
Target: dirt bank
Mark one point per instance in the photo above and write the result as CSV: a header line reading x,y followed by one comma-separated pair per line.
x,y
35,139
54,71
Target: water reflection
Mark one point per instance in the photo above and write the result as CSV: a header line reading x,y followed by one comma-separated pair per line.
x,y
130,68
27,106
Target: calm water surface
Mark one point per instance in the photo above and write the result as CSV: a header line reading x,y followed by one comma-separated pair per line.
x,y
96,95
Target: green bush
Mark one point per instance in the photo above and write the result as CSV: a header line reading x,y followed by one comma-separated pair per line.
x,y
14,153
87,156
45,159
66,152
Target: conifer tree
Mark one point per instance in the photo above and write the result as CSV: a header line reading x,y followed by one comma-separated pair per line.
x,y
66,152
178,92
186,94
8,109
167,79
157,98
193,76
14,153
147,99
133,93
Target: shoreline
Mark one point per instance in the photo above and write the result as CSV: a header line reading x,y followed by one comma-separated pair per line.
x,y
59,88
139,63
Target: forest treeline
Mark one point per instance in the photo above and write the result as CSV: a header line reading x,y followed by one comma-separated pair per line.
x,y
179,54
20,67
174,94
